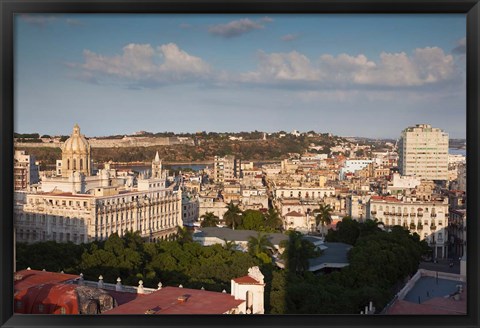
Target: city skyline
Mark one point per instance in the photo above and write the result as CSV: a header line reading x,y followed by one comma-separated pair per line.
x,y
349,75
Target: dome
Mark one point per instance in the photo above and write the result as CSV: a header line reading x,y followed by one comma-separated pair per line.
x,y
76,143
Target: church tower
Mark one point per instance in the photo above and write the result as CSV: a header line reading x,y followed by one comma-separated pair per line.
x,y
157,167
76,154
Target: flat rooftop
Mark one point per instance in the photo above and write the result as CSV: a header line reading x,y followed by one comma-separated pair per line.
x,y
335,255
427,288
237,235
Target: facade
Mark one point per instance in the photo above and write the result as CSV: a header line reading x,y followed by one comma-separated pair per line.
x,y
423,152
429,219
226,168
25,171
81,208
317,193
352,165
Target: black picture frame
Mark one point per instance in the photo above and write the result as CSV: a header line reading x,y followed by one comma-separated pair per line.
x,y
471,8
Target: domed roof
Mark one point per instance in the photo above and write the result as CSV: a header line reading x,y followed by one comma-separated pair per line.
x,y
76,143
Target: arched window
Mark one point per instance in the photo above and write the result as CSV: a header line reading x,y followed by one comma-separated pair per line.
x,y
68,164
81,163
74,164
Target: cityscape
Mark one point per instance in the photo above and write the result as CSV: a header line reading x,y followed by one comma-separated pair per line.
x,y
338,197
240,164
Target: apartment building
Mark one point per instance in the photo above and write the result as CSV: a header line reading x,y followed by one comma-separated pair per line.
x,y
423,152
226,168
429,219
25,170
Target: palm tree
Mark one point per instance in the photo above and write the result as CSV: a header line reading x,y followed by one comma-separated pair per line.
x,y
209,220
184,235
297,252
233,215
259,244
272,219
229,245
323,216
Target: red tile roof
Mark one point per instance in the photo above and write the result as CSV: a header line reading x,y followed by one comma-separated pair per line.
x,y
247,280
387,198
124,297
404,307
294,213
436,305
28,278
175,300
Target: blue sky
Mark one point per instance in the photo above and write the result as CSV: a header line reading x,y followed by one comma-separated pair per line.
x,y
351,75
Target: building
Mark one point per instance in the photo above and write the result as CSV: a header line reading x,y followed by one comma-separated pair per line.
x,y
431,293
76,154
226,168
41,292
429,219
423,152
81,208
25,170
353,165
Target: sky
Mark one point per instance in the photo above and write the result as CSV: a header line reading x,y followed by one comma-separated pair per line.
x,y
350,75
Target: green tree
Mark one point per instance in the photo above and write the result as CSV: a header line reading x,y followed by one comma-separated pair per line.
x,y
233,215
259,246
184,235
323,216
253,220
297,252
209,220
273,220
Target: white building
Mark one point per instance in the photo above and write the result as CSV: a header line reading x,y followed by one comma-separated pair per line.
x,y
352,165
429,219
82,208
303,192
423,152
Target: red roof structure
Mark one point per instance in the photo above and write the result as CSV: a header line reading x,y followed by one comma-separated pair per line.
x,y
176,300
247,280
437,305
28,278
294,213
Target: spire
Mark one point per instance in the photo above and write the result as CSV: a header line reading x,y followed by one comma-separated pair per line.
x,y
76,129
157,158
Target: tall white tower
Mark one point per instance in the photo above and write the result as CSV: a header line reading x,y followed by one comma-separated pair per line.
x,y
423,152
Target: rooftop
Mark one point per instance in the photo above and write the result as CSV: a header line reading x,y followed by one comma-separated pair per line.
x,y
176,300
237,235
335,255
428,294
28,278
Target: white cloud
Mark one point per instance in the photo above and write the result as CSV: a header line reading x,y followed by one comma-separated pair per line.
x,y
74,22
461,47
277,67
238,27
142,63
38,19
289,37
425,66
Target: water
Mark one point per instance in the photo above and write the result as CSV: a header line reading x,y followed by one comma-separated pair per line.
x,y
457,151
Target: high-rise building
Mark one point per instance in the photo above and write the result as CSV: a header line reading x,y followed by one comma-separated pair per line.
x,y
423,152
226,168
25,170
